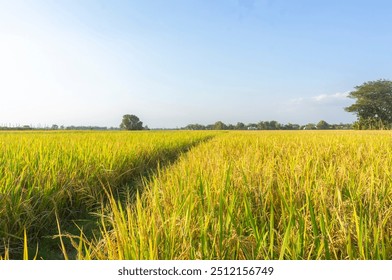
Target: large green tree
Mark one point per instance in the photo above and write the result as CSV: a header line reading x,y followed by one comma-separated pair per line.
x,y
219,126
322,125
131,122
373,105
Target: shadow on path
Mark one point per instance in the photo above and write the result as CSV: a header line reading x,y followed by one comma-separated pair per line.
x,y
88,220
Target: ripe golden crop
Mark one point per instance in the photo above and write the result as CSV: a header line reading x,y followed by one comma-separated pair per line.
x,y
239,195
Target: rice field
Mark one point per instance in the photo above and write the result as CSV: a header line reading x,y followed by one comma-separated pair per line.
x,y
52,178
197,195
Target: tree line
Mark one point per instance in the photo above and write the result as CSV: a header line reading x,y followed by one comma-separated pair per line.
x,y
373,108
219,125
268,125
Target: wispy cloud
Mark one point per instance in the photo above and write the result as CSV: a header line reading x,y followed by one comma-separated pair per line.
x,y
330,98
329,107
322,99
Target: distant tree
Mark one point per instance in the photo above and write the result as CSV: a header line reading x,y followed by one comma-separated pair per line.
x,y
219,126
322,125
26,127
310,126
291,126
131,122
54,127
240,126
342,126
373,105
195,126
262,125
230,127
273,125
252,125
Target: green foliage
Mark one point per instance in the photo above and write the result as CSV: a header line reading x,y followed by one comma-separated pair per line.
x,y
219,126
373,105
267,125
131,122
240,126
310,126
323,125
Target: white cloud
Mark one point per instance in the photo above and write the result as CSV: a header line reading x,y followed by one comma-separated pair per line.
x,y
330,98
322,99
329,107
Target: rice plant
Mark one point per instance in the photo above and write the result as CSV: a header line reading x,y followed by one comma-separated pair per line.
x,y
260,195
55,177
174,195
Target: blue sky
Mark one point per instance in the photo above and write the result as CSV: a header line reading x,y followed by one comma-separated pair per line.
x,y
178,62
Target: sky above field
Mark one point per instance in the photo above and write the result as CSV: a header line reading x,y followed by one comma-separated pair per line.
x,y
178,62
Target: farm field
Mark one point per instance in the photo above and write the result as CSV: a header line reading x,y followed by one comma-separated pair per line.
x,y
196,195
48,179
